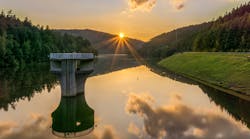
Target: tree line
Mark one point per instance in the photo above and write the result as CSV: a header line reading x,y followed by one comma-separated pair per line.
x,y
228,33
22,42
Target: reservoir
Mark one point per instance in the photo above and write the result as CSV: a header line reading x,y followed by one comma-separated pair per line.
x,y
121,100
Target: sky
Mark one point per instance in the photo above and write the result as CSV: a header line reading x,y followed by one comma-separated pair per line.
x,y
140,19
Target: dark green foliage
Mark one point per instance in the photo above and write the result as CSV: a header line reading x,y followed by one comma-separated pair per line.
x,y
21,42
230,33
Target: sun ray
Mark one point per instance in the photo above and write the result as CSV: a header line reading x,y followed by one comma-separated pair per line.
x,y
134,53
107,42
118,46
120,42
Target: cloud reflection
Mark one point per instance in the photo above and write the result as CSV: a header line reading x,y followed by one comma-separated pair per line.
x,y
109,133
133,129
38,127
178,121
6,127
35,128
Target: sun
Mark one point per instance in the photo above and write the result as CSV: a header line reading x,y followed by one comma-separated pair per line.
x,y
121,35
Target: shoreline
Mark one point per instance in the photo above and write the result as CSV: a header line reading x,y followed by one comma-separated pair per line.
x,y
229,91
238,93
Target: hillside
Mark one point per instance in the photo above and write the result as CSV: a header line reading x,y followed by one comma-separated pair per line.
x,y
229,33
227,70
101,40
178,40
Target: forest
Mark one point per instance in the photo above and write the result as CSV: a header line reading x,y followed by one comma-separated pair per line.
x,y
22,43
228,33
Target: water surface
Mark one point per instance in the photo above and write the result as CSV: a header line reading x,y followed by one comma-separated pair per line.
x,y
131,102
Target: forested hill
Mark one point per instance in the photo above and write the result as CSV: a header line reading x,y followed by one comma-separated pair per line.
x,y
104,43
229,33
169,43
92,35
22,42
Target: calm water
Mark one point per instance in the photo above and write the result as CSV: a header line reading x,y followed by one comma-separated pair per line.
x,y
124,102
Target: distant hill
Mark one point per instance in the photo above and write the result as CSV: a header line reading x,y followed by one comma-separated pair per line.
x,y
101,40
229,33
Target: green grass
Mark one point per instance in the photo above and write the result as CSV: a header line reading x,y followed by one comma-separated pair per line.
x,y
228,70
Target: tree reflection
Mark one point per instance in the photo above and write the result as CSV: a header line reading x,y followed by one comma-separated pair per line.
x,y
18,84
236,107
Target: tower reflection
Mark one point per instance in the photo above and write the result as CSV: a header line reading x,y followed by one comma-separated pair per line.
x,y
73,117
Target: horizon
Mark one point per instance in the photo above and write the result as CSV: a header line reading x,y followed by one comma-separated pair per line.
x,y
141,20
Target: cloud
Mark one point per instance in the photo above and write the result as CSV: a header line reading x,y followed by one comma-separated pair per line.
x,y
148,5
142,5
178,121
178,4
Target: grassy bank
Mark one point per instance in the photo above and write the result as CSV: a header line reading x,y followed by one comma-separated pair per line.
x,y
227,70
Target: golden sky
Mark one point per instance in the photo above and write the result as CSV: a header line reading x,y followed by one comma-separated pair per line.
x,y
141,19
